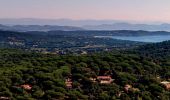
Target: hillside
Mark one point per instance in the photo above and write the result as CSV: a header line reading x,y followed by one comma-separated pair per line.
x,y
62,42
155,50
104,76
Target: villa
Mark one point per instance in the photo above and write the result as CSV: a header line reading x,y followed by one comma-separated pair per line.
x,y
68,83
166,84
105,79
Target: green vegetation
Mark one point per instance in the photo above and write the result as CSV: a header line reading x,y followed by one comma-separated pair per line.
x,y
135,76
63,42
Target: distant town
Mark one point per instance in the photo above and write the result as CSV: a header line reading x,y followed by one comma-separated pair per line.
x,y
63,42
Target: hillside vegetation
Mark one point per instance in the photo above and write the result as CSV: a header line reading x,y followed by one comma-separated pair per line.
x,y
104,76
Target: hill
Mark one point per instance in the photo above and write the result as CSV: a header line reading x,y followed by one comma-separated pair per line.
x,y
45,28
155,50
62,42
104,76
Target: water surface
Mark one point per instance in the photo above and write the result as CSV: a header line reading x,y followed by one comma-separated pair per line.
x,y
155,38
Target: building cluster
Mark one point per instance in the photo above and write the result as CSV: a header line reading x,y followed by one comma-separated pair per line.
x,y
100,79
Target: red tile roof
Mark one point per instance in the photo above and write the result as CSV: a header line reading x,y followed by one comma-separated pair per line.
x,y
104,77
26,86
68,83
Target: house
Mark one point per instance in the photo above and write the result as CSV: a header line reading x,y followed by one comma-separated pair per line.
x,y
92,79
127,87
26,87
105,79
4,98
68,83
166,84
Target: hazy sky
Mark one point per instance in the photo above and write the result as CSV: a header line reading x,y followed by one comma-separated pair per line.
x,y
141,10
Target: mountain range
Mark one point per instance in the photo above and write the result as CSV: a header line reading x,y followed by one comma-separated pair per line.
x,y
61,22
128,26
45,28
28,24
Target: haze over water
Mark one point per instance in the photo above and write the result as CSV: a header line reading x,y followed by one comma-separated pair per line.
x,y
156,38
148,38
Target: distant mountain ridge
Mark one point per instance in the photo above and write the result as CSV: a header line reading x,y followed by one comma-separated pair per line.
x,y
38,28
32,24
60,22
128,26
104,27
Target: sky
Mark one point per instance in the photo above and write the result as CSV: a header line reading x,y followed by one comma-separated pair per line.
x,y
138,10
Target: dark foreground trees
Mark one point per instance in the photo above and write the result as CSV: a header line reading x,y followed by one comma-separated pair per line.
x,y
31,76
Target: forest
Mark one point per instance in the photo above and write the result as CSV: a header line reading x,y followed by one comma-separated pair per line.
x,y
136,74
63,42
